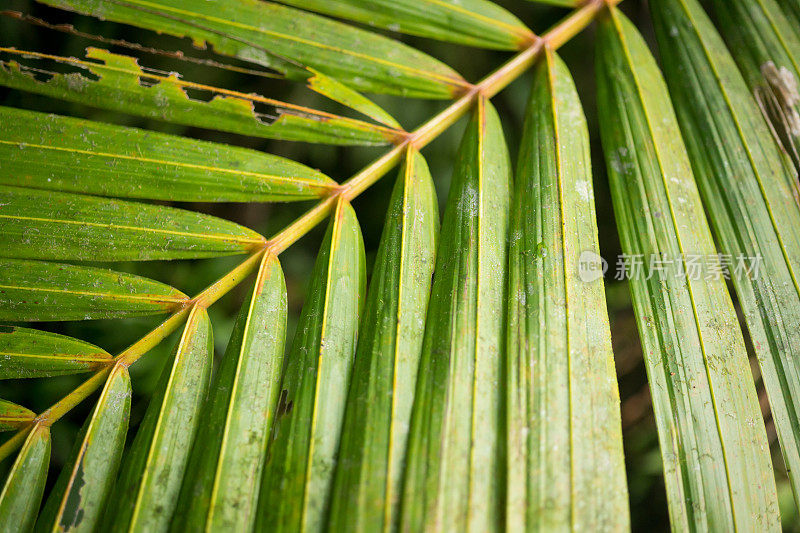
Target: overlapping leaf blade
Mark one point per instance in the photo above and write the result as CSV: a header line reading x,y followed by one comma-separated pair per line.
x,y
565,466
34,290
65,154
766,48
271,34
220,490
38,224
29,353
80,494
118,87
24,487
748,193
453,464
369,469
470,22
13,416
298,474
714,448
146,492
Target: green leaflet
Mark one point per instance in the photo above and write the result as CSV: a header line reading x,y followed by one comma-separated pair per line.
x,y
470,22
565,465
147,488
766,48
220,491
80,494
13,416
23,489
369,469
746,190
298,474
453,464
339,92
119,88
713,442
37,224
285,38
33,290
28,353
45,151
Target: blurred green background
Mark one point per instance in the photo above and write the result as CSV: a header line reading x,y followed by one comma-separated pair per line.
x,y
647,495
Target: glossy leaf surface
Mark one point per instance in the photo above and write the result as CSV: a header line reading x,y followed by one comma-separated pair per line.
x,y
369,469
65,154
565,465
470,22
29,353
748,193
298,475
13,416
149,482
38,224
713,443
453,464
220,490
24,486
80,494
284,38
34,290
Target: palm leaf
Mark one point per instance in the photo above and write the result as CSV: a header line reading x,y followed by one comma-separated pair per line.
x,y
80,494
748,193
284,38
298,475
146,492
28,353
365,494
36,224
13,416
24,487
220,490
33,290
453,464
565,462
713,442
470,22
119,88
66,154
